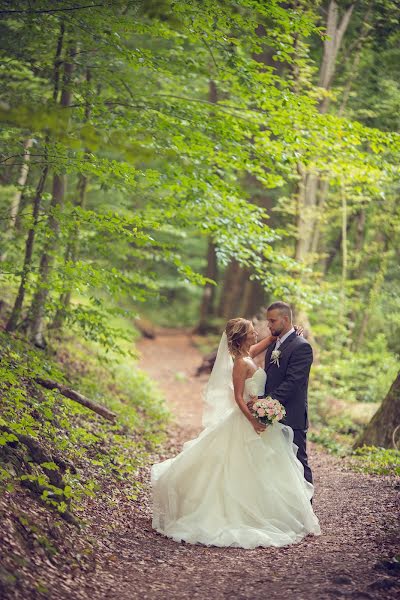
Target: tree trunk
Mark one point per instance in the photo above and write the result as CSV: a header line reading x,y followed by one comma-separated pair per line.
x,y
37,311
15,202
241,296
15,316
232,290
323,188
253,298
383,429
208,300
300,317
72,250
355,53
77,397
71,255
375,291
332,43
306,199
14,319
16,199
330,51
360,231
344,255
338,243
309,207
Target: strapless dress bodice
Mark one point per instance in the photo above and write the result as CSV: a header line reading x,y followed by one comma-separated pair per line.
x,y
255,385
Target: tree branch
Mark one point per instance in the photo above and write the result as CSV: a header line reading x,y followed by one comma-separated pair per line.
x,y
51,10
77,397
211,52
343,25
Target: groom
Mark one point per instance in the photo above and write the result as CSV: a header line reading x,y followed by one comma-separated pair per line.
x,y
287,364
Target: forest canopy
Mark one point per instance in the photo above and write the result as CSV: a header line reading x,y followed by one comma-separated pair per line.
x,y
191,161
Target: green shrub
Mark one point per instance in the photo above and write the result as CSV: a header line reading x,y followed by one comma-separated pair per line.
x,y
353,376
327,437
83,449
380,461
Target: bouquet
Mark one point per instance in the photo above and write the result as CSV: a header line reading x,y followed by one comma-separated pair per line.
x,y
268,410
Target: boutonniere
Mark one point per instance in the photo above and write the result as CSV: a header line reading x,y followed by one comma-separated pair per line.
x,y
275,357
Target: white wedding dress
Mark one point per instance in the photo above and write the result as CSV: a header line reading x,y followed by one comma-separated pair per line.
x,y
233,487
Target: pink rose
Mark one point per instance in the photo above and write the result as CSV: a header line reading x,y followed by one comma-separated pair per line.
x,y
270,412
279,416
261,412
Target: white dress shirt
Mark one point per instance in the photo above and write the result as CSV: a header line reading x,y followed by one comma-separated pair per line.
x,y
280,340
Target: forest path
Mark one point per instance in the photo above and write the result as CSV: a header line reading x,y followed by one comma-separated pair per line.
x,y
357,513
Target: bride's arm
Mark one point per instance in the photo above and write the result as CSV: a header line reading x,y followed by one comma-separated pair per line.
x,y
256,349
240,371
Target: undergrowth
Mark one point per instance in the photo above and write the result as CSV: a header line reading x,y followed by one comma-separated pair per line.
x,y
63,466
380,461
55,447
368,459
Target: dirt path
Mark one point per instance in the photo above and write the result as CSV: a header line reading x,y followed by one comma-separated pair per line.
x,y
174,368
353,558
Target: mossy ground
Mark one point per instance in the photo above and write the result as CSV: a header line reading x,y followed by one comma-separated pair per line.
x,y
57,457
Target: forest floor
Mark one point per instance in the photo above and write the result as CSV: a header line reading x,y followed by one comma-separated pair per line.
x,y
118,556
353,558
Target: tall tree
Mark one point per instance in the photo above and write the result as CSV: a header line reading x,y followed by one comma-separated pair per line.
x,y
384,427
38,306
15,316
208,298
72,248
16,198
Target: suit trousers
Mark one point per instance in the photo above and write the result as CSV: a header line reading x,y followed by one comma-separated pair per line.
x,y
300,439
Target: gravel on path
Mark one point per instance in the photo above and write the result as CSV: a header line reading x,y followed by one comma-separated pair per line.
x,y
353,558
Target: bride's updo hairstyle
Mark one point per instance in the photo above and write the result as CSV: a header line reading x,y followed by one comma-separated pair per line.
x,y
236,331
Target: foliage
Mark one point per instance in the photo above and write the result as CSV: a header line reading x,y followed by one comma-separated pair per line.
x,y
326,438
158,156
379,461
355,375
338,438
91,449
158,127
159,168
154,128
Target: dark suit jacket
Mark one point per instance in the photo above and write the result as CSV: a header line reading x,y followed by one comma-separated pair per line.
x,y
288,383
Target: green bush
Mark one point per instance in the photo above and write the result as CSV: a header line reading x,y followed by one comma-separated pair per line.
x,y
355,376
327,438
368,459
380,461
84,449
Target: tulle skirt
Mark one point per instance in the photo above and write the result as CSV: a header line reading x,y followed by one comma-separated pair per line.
x,y
232,487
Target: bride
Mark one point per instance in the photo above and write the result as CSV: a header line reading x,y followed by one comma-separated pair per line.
x,y
239,482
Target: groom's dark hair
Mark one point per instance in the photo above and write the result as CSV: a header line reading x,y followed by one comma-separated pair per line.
x,y
282,307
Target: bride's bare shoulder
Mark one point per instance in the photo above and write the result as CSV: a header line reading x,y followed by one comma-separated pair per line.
x,y
240,364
